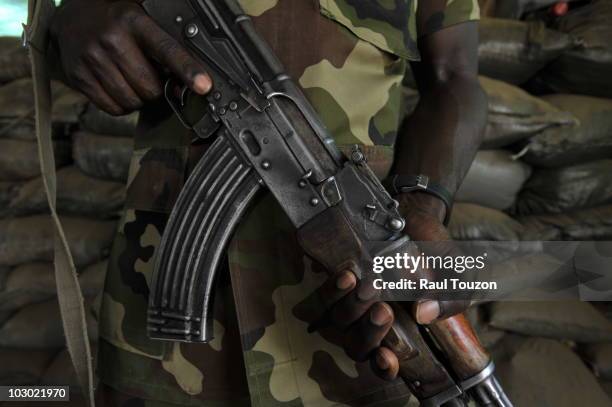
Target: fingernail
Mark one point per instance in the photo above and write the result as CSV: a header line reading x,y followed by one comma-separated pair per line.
x,y
381,361
345,281
427,311
202,83
380,314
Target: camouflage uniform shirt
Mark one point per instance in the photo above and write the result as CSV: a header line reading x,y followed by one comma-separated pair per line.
x,y
349,56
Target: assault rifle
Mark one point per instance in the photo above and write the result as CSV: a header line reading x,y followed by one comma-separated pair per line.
x,y
265,134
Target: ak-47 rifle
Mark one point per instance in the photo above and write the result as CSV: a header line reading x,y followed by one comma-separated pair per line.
x,y
265,134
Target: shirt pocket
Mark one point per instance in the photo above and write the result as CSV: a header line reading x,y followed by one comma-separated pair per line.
x,y
390,27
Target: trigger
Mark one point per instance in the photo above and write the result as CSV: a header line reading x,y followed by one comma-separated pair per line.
x,y
176,94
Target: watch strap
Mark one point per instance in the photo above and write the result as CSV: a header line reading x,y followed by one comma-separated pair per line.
x,y
402,183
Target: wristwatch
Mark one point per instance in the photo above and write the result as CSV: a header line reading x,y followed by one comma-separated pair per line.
x,y
400,183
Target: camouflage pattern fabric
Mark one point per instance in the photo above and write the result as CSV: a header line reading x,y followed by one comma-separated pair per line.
x,y
350,57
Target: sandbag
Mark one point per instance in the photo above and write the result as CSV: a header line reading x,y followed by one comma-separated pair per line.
x,y
542,372
21,128
586,69
584,224
103,156
589,140
30,239
515,114
573,320
35,282
27,284
564,189
17,100
23,367
98,121
599,358
493,180
14,60
19,159
39,326
514,51
77,194
475,222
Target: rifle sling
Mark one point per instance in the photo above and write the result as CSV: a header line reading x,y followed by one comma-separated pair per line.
x,y
68,289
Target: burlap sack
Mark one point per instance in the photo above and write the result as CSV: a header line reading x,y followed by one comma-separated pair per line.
x,y
586,69
559,190
515,115
77,194
23,367
27,284
14,60
584,224
17,100
514,51
573,320
590,140
30,239
541,372
19,158
35,282
474,222
102,156
97,121
493,180
39,326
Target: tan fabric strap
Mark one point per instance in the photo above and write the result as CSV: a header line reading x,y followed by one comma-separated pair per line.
x,y
68,289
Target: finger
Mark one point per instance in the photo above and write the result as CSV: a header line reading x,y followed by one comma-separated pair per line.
x,y
354,305
134,66
384,363
366,335
112,80
429,311
336,287
85,81
172,55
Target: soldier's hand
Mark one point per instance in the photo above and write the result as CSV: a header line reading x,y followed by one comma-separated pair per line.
x,y
354,309
110,50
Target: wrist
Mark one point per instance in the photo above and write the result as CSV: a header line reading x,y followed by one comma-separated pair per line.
x,y
421,204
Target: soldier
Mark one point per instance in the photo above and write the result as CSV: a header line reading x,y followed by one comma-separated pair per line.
x,y
350,57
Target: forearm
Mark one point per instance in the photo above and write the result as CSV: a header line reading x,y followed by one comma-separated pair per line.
x,y
442,136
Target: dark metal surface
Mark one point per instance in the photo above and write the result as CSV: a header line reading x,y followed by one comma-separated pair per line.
x,y
215,197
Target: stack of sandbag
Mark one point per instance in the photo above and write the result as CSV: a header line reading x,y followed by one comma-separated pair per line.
x,y
516,51
569,194
552,353
14,60
584,69
92,158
